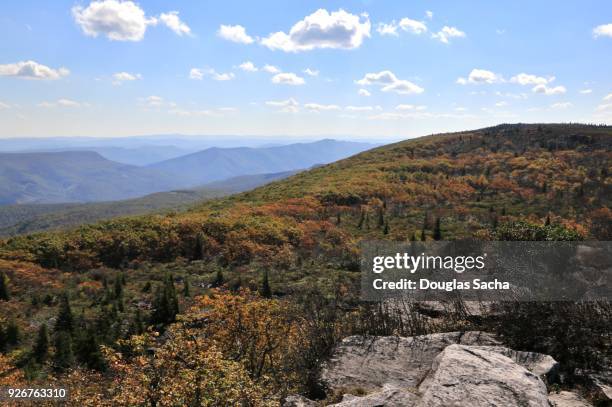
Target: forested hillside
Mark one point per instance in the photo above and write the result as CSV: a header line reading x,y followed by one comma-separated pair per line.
x,y
252,291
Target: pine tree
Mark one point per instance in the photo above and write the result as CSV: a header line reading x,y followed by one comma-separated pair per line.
x,y
386,228
423,237
361,219
165,306
266,291
413,238
338,218
41,347
186,292
88,351
437,233
118,287
65,320
547,222
4,290
63,357
199,247
381,217
219,280
12,333
3,342
137,327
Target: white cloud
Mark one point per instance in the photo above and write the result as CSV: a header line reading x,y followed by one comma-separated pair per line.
x,y
191,113
364,92
413,26
586,91
478,76
322,29
118,20
61,103
316,107
603,107
390,83
248,66
172,21
557,90
270,69
561,105
120,77
32,70
405,24
311,72
287,106
4,106
501,104
154,101
359,108
387,29
287,78
528,79
410,107
608,97
199,74
235,33
429,14
446,33
604,30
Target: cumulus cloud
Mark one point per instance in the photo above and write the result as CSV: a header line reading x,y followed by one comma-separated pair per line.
x,y
405,24
311,72
604,30
404,107
390,83
586,91
322,29
287,106
172,21
154,101
604,107
561,105
528,79
121,77
287,78
235,33
122,20
501,104
480,76
608,97
446,33
61,103
270,69
32,70
364,92
359,108
316,107
248,66
199,74
556,90
429,14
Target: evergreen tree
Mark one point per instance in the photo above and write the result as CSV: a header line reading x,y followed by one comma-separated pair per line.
x,y
146,288
338,218
413,238
386,228
65,320
423,237
266,291
361,219
437,233
88,351
381,217
118,287
186,292
199,247
165,306
63,357
547,221
137,327
219,280
4,290
3,342
12,333
41,347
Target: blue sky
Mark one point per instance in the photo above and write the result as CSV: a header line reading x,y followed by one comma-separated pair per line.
x,y
376,69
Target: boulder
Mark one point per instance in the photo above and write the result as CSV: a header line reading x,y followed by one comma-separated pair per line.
x,y
567,399
468,376
372,362
537,363
295,400
388,396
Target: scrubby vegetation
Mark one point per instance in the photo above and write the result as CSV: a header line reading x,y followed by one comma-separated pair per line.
x,y
241,298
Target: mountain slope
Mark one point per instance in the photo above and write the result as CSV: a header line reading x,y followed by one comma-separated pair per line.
x,y
75,176
469,181
215,164
28,218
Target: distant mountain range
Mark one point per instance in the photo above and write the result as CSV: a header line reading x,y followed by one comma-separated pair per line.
x,y
86,176
215,164
28,218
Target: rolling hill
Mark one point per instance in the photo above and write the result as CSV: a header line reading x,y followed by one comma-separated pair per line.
x,y
74,176
29,218
215,164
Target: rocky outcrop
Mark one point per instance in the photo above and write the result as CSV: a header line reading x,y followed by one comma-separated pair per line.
x,y
567,399
472,376
371,362
445,369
